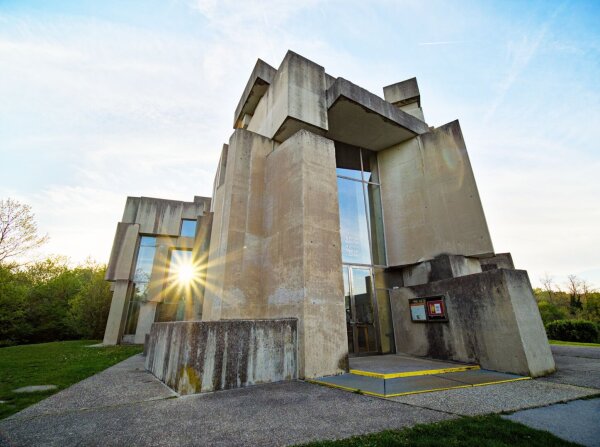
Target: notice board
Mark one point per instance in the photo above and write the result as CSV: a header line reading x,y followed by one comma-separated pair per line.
x,y
428,309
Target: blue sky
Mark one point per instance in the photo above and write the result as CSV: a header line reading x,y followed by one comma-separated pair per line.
x,y
104,99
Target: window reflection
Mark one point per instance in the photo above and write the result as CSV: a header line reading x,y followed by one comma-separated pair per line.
x,y
353,222
361,221
188,228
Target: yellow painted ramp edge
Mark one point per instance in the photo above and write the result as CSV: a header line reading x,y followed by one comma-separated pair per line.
x,y
370,393
427,372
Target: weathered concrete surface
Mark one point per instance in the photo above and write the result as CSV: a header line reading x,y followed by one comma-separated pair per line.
x,y
406,96
442,267
275,250
430,199
261,77
198,356
302,253
295,100
493,321
116,410
577,421
117,313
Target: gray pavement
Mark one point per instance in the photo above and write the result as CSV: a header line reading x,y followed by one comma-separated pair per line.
x,y
577,421
274,414
125,405
576,365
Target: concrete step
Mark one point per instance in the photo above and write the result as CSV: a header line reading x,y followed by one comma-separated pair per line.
x,y
391,376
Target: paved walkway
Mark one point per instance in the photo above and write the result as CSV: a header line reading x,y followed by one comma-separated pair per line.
x,y
125,405
577,421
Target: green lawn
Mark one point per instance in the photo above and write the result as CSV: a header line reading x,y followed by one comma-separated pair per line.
x,y
573,343
480,431
60,363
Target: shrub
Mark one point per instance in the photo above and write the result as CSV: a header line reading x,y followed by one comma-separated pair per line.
x,y
573,330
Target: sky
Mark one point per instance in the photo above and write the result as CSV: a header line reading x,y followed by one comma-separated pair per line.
x,y
104,99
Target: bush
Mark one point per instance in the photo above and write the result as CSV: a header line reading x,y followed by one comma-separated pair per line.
x,y
573,330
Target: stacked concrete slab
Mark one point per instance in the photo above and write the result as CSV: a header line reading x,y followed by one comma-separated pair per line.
x,y
271,244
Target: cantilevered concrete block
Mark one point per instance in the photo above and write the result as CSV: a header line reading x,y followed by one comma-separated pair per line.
x,y
362,119
295,100
406,96
431,200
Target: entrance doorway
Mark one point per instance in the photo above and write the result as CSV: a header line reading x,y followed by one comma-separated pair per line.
x,y
361,318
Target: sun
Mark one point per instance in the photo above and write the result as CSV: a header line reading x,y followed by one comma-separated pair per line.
x,y
185,273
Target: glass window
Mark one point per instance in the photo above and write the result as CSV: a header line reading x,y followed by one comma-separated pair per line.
x,y
353,222
188,228
376,223
145,259
361,219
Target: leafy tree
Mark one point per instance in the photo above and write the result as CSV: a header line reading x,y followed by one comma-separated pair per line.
x,y
550,312
14,327
90,306
18,231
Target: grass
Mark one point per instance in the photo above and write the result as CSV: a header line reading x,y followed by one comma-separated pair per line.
x,y
574,343
481,431
59,363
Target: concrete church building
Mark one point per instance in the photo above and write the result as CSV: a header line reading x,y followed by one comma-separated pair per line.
x,y
341,224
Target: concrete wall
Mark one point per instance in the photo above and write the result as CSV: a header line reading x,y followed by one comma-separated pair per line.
x,y
194,357
493,321
430,199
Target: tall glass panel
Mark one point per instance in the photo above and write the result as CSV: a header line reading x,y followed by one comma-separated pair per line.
x,y
141,278
353,223
145,259
369,160
373,195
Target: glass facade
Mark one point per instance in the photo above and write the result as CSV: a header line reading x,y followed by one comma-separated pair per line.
x,y
363,245
361,220
141,278
188,228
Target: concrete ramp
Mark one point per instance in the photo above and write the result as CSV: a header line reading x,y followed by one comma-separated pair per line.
x,y
399,375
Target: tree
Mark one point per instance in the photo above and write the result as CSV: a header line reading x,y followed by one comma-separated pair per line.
x,y
547,284
18,230
574,290
90,306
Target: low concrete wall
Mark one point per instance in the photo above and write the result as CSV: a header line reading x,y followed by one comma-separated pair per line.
x,y
493,320
199,356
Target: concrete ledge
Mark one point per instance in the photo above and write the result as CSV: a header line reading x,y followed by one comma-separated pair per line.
x,y
199,356
358,117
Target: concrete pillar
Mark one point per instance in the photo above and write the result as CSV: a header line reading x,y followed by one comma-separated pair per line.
x,y
302,267
117,314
